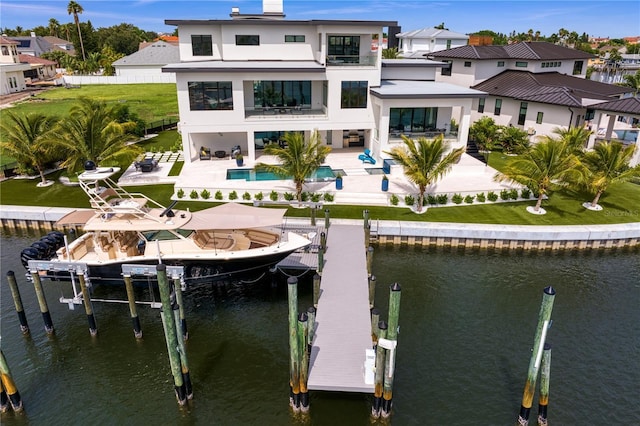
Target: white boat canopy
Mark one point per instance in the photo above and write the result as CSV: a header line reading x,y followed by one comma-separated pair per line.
x,y
234,216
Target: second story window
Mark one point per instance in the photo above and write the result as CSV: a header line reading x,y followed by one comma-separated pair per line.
x,y
577,67
481,104
446,70
522,64
247,40
467,64
500,64
498,107
294,39
204,95
201,45
344,49
5,51
522,116
354,94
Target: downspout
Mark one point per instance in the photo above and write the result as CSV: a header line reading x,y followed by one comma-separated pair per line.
x,y
570,118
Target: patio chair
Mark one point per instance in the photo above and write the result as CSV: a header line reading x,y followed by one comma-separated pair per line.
x,y
205,153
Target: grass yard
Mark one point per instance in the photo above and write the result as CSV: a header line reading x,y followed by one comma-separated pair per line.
x,y
150,101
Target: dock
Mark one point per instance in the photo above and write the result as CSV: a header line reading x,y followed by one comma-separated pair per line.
x,y
343,322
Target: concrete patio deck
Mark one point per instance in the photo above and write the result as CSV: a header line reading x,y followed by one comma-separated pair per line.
x,y
361,181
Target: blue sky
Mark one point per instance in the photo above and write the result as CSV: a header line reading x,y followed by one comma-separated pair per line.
x,y
614,19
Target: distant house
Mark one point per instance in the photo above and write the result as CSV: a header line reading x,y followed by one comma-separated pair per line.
x,y
40,69
32,45
60,44
148,60
11,69
616,109
418,43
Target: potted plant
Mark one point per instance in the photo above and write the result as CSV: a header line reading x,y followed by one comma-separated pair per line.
x,y
239,160
339,181
385,183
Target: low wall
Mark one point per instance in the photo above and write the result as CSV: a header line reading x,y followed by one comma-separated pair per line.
x,y
80,80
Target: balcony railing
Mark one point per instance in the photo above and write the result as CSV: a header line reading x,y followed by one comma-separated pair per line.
x,y
351,60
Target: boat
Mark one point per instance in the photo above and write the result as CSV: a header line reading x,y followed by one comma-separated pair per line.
x,y
229,241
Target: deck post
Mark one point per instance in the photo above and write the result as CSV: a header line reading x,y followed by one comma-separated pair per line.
x,y
9,388
326,219
17,301
311,326
372,290
375,331
548,295
303,336
171,334
42,301
183,320
316,290
137,331
545,373
320,260
294,358
392,336
86,298
379,377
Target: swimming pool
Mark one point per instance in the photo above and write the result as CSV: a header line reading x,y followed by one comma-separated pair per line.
x,y
324,173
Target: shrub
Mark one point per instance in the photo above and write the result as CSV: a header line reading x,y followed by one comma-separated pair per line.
x,y
273,196
492,196
505,194
246,196
315,197
394,200
469,199
180,193
513,194
259,196
409,200
193,194
481,198
205,194
328,197
289,196
442,198
526,193
233,195
431,199
218,195
304,196
457,198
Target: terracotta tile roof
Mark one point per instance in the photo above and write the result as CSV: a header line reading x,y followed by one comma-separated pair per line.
x,y
626,105
550,88
4,40
30,59
533,50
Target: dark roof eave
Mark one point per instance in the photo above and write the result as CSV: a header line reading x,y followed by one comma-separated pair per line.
x,y
277,22
433,96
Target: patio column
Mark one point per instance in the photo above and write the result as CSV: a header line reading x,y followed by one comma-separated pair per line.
x,y
463,127
251,145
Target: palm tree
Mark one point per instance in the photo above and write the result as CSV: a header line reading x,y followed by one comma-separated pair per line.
x,y
608,163
75,9
91,132
27,139
633,81
548,165
576,138
390,53
299,159
54,26
424,161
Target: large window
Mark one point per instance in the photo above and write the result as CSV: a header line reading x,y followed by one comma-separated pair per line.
x,y
446,70
294,38
498,107
354,94
344,49
201,45
481,104
282,93
522,116
577,67
417,120
539,118
247,40
205,95
522,64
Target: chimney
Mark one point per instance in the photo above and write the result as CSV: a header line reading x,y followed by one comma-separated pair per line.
x,y
235,11
33,35
272,7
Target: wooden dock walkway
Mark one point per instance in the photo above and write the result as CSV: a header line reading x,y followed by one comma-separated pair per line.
x,y
343,322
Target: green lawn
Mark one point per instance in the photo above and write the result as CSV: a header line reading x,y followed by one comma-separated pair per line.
x,y
150,101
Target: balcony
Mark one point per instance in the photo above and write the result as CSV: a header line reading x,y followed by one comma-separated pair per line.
x,y
284,113
350,61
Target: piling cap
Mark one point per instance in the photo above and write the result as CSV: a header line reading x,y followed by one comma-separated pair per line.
x,y
292,281
161,267
11,273
311,310
382,325
375,311
302,317
395,287
550,291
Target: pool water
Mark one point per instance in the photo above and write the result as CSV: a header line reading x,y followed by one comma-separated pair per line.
x,y
323,173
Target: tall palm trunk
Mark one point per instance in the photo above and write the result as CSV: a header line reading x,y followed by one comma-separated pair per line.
x,y
75,18
538,203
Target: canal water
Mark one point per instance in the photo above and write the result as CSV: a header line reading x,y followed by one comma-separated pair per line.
x,y
467,322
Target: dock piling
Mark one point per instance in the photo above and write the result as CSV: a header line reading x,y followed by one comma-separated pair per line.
x,y
375,331
544,317
42,301
320,260
323,241
316,290
137,330
326,219
303,337
86,298
369,260
9,389
313,215
294,357
183,320
545,374
170,333
311,326
379,376
372,290
17,301
392,337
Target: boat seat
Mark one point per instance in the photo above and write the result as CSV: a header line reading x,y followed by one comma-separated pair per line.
x,y
210,240
265,238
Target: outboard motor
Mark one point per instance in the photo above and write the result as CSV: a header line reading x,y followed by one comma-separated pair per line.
x,y
59,238
89,165
43,249
28,254
51,243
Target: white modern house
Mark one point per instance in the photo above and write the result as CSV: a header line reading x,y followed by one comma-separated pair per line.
x,y
248,80
148,60
418,43
11,69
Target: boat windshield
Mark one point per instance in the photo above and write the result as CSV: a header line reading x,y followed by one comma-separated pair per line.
x,y
165,235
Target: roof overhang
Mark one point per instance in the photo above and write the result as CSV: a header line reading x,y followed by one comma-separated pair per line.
x,y
246,66
411,89
311,22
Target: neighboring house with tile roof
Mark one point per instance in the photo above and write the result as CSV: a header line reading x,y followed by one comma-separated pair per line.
x,y
418,43
11,69
148,60
32,45
40,68
470,65
61,44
